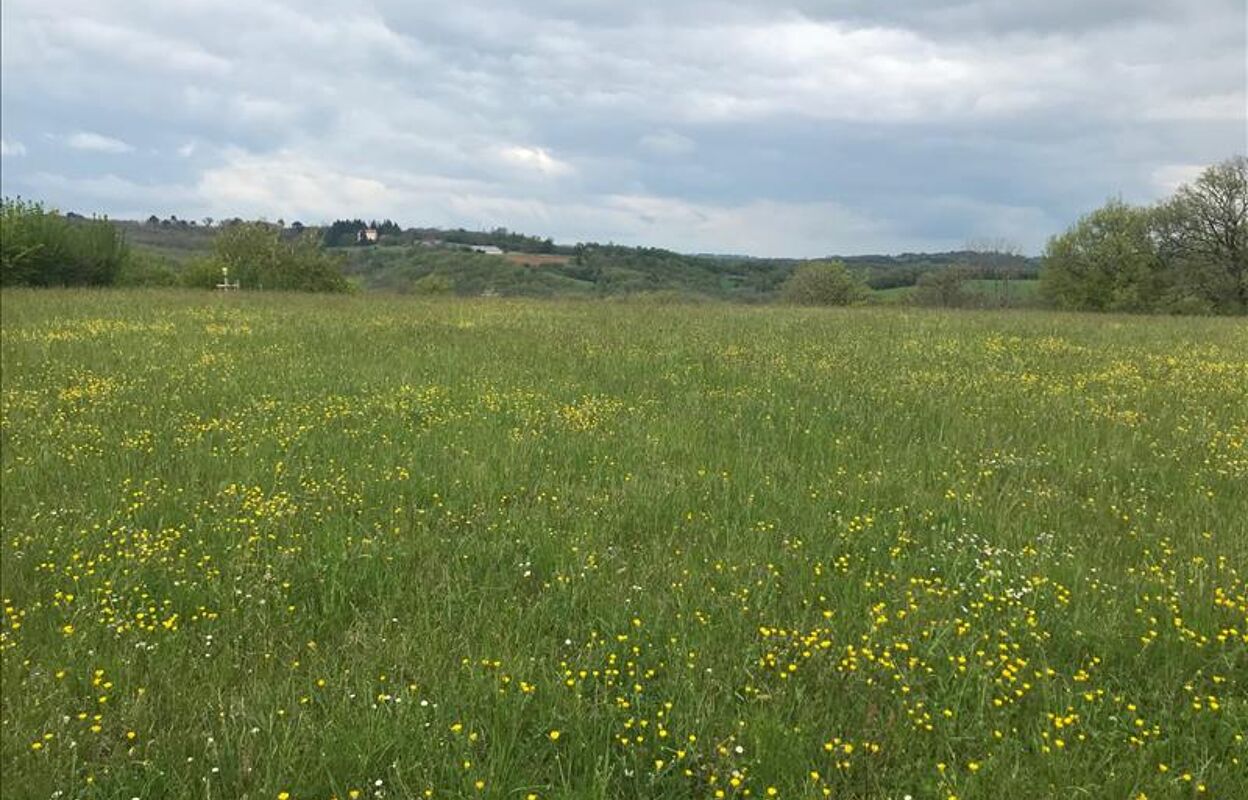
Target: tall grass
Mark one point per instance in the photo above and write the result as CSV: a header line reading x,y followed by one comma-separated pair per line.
x,y
260,546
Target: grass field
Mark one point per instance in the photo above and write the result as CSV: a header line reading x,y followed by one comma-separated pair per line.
x,y
300,547
987,291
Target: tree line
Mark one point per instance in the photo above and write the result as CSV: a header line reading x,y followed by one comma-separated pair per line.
x,y
1187,254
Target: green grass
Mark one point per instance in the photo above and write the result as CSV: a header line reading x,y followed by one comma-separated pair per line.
x,y
894,295
266,544
985,291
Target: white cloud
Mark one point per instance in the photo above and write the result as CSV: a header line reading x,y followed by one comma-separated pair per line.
x,y
114,194
96,143
533,159
286,184
132,44
759,226
12,148
1169,177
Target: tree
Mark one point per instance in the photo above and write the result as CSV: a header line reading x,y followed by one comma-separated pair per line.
x,y
1108,260
942,287
999,259
1203,234
342,232
258,257
823,283
40,247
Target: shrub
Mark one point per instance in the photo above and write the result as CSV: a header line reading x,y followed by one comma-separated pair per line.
x,y
259,257
40,247
943,287
142,268
823,283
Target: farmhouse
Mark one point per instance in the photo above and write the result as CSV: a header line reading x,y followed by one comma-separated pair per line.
x,y
366,235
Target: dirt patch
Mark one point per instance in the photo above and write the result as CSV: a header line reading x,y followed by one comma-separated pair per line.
x,y
536,259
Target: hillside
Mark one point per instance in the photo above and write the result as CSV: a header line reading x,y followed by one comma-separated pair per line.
x,y
430,260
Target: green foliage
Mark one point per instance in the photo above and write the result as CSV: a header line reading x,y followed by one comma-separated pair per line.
x,y
433,271
39,247
345,232
1106,261
823,283
945,288
145,268
201,273
595,270
888,272
1203,234
1188,255
178,242
259,257
511,241
433,283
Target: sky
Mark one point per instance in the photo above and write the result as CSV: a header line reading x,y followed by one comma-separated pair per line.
x,y
761,127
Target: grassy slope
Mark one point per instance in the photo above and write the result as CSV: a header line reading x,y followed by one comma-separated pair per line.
x,y
176,243
320,544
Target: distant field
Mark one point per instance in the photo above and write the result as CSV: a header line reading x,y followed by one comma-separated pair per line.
x,y
1013,292
536,259
176,243
277,546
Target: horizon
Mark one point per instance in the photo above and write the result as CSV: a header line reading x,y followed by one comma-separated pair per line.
x,y
795,132
967,247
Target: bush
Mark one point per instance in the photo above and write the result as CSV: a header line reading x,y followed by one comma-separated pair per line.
x,y
40,247
258,257
202,273
943,287
823,283
142,268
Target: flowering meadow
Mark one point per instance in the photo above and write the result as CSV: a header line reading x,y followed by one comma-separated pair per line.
x,y
283,547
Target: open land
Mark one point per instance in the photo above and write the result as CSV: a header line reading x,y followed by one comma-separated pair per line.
x,y
283,546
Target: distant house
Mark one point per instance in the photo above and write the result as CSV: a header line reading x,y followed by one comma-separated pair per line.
x,y
488,249
368,235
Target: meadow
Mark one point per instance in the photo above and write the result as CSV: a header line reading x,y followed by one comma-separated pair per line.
x,y
282,547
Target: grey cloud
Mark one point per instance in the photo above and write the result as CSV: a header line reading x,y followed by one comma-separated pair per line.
x,y
846,125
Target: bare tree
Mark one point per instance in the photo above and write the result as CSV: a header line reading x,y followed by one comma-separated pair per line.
x,y
998,257
1203,230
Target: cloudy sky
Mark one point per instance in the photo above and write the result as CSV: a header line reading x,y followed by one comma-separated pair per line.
x,y
796,129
